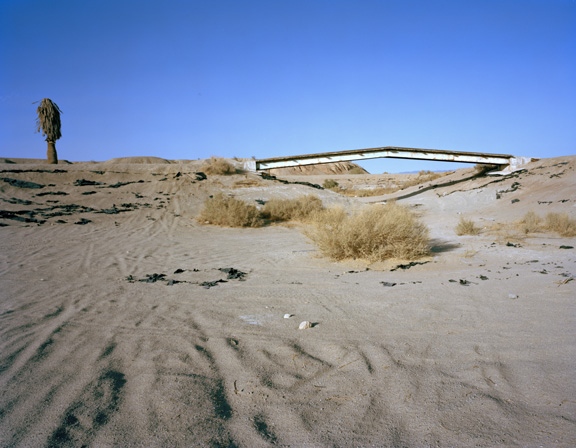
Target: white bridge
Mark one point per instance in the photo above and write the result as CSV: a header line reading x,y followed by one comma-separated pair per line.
x,y
506,162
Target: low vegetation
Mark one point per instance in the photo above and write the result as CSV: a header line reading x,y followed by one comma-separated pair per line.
x,y
368,192
422,177
299,209
375,233
467,227
531,223
330,184
225,211
247,182
559,223
218,165
231,212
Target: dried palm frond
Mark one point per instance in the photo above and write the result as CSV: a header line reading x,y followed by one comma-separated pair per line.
x,y
48,120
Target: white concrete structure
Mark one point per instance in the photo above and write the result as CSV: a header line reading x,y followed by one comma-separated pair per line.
x,y
507,162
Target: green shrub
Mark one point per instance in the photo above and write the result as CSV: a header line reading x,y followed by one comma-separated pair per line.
x,y
376,233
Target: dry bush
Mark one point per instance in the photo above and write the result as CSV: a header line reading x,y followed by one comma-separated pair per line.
x,y
467,227
230,212
423,176
531,222
218,165
225,211
375,234
561,223
291,209
247,182
330,184
367,192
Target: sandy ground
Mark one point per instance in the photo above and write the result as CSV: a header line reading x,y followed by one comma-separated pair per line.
x,y
115,329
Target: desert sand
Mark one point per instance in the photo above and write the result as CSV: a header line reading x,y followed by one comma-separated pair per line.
x,y
125,322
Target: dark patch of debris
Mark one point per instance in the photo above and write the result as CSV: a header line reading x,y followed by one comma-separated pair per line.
x,y
233,274
284,181
409,265
21,183
52,193
84,183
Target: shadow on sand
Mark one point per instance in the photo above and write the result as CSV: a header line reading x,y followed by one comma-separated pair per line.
x,y
438,246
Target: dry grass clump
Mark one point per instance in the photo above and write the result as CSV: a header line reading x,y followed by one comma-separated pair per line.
x,y
330,184
560,223
531,223
247,182
368,192
298,209
423,176
467,227
218,165
230,212
375,234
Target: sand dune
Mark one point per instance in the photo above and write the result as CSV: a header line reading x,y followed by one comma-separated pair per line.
x,y
124,322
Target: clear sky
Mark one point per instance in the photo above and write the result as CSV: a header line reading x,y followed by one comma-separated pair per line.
x,y
189,79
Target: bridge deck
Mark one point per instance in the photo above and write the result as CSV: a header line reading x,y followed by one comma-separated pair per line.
x,y
385,152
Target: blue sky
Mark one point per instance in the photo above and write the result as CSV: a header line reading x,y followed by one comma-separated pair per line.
x,y
263,78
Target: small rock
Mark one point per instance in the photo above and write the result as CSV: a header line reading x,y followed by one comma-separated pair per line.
x,y
512,296
304,325
288,316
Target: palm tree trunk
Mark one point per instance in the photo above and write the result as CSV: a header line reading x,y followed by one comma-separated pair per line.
x,y
51,153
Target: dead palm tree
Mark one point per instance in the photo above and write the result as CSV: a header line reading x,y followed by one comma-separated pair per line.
x,y
48,122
